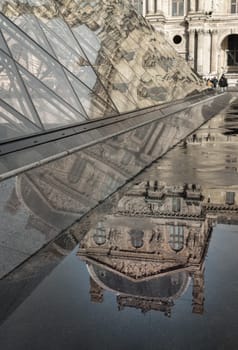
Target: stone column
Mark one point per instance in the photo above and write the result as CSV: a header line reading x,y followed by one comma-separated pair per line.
x,y
214,54
151,6
200,5
191,52
198,291
207,52
159,6
96,292
192,6
144,8
200,51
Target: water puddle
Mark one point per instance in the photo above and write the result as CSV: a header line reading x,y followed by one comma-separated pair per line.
x,y
154,266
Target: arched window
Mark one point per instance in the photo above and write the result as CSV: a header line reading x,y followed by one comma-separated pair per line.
x,y
176,237
177,7
234,6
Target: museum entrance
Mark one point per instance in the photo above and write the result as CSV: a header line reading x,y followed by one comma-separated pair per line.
x,y
230,46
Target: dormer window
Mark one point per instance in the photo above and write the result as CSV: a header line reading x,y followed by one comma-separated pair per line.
x,y
177,7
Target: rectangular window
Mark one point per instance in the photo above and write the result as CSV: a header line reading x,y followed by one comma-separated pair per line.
x,y
196,5
230,198
177,7
138,5
176,204
234,6
174,8
156,8
181,9
146,6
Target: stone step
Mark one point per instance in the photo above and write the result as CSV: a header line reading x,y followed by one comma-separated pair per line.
x,y
232,79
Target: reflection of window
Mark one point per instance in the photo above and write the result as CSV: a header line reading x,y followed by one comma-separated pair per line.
x,y
136,238
176,237
234,6
230,198
99,236
177,7
176,204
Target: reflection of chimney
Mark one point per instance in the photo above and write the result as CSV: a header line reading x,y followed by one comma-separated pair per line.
x,y
198,292
96,292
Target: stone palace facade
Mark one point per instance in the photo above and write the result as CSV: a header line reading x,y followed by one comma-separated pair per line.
x,y
204,32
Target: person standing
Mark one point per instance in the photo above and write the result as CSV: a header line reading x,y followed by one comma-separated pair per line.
x,y
214,81
223,83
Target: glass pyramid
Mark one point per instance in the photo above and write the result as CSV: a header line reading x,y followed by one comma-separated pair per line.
x,y
46,82
68,61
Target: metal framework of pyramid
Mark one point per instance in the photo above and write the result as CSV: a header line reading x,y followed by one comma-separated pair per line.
x,y
46,81
65,62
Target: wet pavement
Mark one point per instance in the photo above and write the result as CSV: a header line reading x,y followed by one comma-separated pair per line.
x,y
154,265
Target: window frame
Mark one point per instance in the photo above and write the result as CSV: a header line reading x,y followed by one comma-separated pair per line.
x,y
176,237
177,8
234,7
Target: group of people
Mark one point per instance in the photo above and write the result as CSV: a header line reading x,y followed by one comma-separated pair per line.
x,y
214,82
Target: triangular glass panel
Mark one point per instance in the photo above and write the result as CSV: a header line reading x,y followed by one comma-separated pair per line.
x,y
74,60
93,82
88,41
63,33
94,50
116,86
12,89
39,64
119,91
69,52
93,105
107,69
70,58
53,111
3,45
29,24
13,125
131,87
103,68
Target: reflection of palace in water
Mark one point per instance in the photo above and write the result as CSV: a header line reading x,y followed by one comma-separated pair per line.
x,y
60,192
150,247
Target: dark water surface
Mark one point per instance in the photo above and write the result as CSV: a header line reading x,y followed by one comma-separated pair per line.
x,y
59,313
155,266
